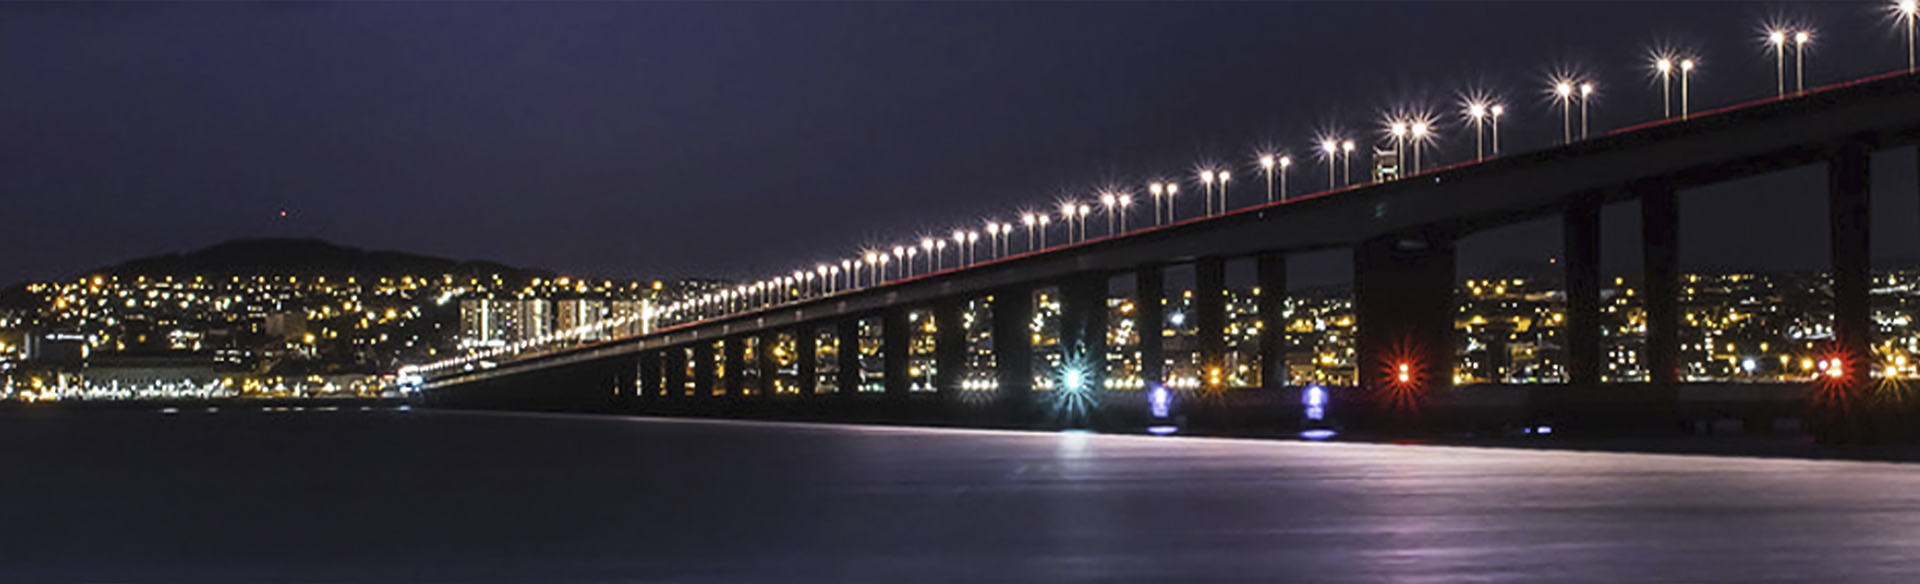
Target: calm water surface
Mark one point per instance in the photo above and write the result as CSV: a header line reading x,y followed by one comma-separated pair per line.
x,y
456,497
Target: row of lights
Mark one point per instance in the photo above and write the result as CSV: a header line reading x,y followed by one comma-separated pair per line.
x,y
1404,131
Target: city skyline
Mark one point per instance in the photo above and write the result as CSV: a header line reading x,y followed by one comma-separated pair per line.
x,y
891,203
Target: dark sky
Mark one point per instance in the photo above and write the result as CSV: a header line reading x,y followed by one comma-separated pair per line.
x,y
737,139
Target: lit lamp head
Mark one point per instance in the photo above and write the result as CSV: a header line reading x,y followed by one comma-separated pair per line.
x,y
1206,177
1266,161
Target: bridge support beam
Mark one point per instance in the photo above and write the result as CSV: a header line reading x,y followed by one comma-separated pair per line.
x,y
1848,207
895,334
764,360
1403,302
1271,272
675,360
703,373
806,365
1581,230
1013,347
847,330
949,348
733,366
652,377
1660,247
1210,318
1150,288
1083,329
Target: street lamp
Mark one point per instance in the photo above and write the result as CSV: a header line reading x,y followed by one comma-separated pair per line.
x,y
1563,90
1084,212
1497,110
1066,216
960,252
1126,201
1664,66
1284,163
1155,189
1206,185
1224,176
1686,75
926,244
1586,92
1907,11
1044,219
1800,60
1477,115
1398,130
1419,138
972,236
993,239
1346,161
1778,38
1331,150
1027,220
1267,163
1107,201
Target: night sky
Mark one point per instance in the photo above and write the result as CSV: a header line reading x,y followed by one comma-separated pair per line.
x,y
740,139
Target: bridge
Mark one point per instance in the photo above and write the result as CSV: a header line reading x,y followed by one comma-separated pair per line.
x,y
958,345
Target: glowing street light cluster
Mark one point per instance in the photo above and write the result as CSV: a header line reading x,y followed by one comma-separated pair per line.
x,y
1404,132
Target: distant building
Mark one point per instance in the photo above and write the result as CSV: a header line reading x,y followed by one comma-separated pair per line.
x,y
584,312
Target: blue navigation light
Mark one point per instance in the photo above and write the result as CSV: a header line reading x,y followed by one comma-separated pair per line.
x,y
1317,434
1162,430
1543,430
1316,400
1159,401
1072,379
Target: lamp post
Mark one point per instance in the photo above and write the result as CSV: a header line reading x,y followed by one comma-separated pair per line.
x,y
1066,216
1800,60
1126,201
1398,130
1346,161
1477,115
1155,190
1267,163
1419,137
1907,10
1778,38
993,239
1028,220
972,237
1043,219
1686,75
1664,66
1586,94
1331,150
1206,187
926,245
1497,110
959,248
1284,163
1224,176
1107,201
1563,90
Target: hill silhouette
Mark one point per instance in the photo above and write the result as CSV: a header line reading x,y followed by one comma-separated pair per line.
x,y
306,257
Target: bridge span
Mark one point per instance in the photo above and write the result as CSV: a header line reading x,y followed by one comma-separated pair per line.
x,y
927,363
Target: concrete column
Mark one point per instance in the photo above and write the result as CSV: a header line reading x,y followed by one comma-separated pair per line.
x,y
703,373
949,347
1013,343
1403,305
1660,245
1582,262
1848,207
805,356
674,360
1150,288
652,376
1083,325
1210,315
848,331
1271,271
763,359
735,359
895,334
